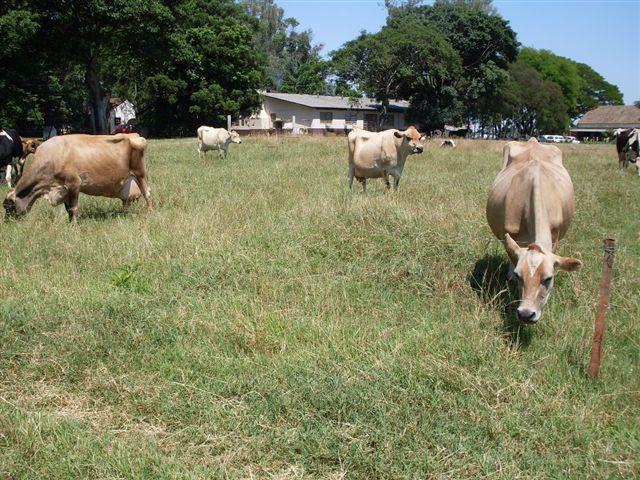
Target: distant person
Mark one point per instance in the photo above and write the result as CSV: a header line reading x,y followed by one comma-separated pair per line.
x,y
49,131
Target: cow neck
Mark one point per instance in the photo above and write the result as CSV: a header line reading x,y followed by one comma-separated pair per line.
x,y
540,220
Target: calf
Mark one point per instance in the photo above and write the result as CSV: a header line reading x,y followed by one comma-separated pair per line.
x,y
380,154
65,166
210,138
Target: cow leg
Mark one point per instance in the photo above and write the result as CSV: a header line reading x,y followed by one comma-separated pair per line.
x,y
363,181
143,184
71,204
396,182
200,153
20,167
622,161
7,175
352,172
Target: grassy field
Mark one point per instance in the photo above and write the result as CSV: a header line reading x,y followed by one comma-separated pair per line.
x,y
264,322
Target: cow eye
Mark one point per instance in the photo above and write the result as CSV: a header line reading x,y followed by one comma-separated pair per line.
x,y
547,282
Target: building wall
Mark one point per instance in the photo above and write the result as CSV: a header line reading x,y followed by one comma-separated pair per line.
x,y
125,112
309,117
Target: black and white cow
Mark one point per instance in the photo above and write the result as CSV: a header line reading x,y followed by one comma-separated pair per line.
x,y
627,145
10,151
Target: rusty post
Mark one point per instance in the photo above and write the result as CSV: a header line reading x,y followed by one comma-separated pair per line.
x,y
603,306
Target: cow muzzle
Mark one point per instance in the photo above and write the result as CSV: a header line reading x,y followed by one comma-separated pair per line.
x,y
418,149
10,208
527,315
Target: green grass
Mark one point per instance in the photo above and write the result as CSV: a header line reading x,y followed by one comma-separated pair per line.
x,y
264,322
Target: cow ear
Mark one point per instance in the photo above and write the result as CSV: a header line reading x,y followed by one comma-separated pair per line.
x,y
423,138
512,248
568,264
398,134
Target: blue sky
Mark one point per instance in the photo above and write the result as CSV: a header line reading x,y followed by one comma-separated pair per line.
x,y
603,34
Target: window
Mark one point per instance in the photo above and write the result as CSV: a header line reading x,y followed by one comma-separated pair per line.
x,y
326,117
351,117
273,117
371,122
117,121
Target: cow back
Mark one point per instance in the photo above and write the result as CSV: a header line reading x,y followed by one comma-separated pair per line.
x,y
10,146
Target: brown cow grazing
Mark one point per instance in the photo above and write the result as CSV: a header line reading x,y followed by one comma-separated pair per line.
x,y
380,154
530,208
65,166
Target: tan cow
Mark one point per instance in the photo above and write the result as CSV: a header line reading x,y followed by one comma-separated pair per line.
x,y
210,138
65,166
29,146
380,154
530,208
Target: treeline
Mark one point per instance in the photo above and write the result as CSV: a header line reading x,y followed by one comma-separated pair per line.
x,y
459,62
184,63
181,62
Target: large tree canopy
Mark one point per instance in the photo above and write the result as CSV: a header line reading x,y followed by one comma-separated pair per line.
x,y
443,58
582,87
294,62
188,62
181,62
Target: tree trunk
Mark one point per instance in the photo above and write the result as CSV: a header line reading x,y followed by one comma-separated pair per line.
x,y
98,99
383,114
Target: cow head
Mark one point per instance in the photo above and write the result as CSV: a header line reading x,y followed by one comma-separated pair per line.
x,y
20,199
535,269
412,139
29,145
235,137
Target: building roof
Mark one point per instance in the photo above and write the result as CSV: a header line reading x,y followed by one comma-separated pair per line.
x,y
610,116
330,102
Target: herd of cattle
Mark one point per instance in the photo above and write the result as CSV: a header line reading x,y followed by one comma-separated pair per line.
x,y
530,205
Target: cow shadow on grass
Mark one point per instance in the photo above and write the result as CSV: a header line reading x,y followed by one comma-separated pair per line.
x,y
106,213
489,280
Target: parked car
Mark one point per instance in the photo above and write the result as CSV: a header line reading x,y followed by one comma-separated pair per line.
x,y
123,128
570,139
551,138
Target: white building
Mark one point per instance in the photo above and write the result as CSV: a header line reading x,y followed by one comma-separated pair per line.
x,y
319,114
121,111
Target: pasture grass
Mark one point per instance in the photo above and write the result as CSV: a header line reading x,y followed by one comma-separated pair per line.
x,y
264,322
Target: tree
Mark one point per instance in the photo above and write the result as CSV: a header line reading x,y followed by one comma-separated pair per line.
x,y
303,70
209,69
400,61
595,90
582,87
485,42
528,104
454,53
36,90
294,62
180,62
